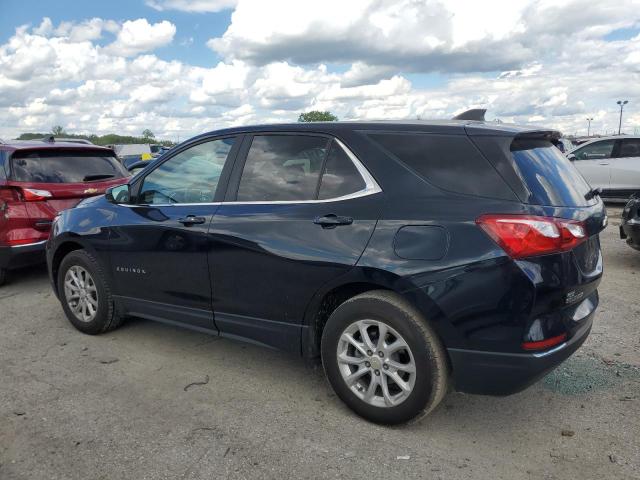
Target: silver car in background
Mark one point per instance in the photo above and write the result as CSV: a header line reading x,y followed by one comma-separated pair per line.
x,y
611,164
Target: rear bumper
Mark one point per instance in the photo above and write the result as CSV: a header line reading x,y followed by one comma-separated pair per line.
x,y
495,373
22,255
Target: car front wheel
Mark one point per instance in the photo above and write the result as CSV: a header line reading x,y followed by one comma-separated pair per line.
x,y
85,294
383,359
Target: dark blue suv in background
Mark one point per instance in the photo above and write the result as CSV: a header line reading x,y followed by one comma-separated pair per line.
x,y
409,256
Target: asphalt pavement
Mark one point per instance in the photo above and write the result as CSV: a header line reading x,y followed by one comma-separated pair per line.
x,y
149,401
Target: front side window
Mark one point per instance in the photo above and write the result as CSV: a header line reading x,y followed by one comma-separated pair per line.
x,y
630,147
595,151
191,176
282,168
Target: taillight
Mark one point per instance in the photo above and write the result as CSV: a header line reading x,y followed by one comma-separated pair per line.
x,y
34,195
524,236
22,194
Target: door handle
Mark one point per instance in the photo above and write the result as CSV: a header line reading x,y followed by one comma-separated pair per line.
x,y
604,163
332,221
192,220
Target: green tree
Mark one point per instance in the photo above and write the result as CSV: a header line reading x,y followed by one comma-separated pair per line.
x,y
317,116
58,130
148,134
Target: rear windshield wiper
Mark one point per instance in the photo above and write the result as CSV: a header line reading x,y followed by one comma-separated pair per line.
x,y
594,192
102,176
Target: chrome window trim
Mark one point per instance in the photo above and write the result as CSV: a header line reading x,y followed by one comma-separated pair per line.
x,y
371,188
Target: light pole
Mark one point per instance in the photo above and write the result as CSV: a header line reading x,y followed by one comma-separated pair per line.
x,y
622,103
589,125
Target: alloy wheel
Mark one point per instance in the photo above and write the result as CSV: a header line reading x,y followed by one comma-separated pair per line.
x,y
376,363
81,293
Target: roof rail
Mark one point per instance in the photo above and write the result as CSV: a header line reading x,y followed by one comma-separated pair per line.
x,y
473,114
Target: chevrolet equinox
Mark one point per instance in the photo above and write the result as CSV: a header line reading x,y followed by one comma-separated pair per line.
x,y
410,257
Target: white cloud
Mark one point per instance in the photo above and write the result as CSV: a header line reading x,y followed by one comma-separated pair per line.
x,y
137,36
416,35
192,5
282,58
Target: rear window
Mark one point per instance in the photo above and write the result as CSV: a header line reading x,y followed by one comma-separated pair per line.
x,y
60,166
549,176
450,162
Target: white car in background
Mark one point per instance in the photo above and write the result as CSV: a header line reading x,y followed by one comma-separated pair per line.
x,y
611,164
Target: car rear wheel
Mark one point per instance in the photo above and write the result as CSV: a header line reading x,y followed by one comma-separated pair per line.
x,y
3,276
85,294
383,359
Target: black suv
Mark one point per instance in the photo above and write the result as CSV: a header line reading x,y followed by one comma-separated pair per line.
x,y
408,256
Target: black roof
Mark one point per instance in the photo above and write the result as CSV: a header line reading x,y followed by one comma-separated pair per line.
x,y
425,126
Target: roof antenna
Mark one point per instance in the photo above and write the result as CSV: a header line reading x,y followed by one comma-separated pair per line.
x,y
476,114
49,139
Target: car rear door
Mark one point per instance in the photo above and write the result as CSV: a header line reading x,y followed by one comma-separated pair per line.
x,y
625,167
299,212
159,241
593,161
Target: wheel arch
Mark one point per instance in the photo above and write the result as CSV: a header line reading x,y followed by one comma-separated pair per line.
x,y
328,298
360,280
64,248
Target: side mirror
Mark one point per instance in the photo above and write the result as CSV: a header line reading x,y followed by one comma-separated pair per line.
x,y
571,157
137,165
119,194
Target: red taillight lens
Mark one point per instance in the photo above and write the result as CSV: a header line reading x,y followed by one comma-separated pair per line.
x,y
544,344
17,194
524,236
34,195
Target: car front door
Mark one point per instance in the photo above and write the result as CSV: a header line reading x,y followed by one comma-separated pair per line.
x,y
593,161
625,167
159,241
299,212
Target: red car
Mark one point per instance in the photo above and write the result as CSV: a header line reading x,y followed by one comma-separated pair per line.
x,y
38,179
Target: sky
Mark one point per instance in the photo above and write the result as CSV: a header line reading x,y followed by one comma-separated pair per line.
x,y
180,68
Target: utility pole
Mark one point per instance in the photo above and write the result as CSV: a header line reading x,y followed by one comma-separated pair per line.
x,y
622,103
589,126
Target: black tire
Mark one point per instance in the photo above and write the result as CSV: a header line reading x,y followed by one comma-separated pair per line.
x,y
3,276
431,365
107,317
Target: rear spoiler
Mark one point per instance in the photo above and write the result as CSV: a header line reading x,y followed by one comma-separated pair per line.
x,y
476,114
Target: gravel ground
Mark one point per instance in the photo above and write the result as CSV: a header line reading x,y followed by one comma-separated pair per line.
x,y
117,406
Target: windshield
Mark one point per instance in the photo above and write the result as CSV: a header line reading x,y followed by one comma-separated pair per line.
x,y
60,166
549,176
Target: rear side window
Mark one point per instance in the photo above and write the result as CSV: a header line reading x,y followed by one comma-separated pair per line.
x,y
629,147
450,162
282,168
340,176
60,166
549,176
